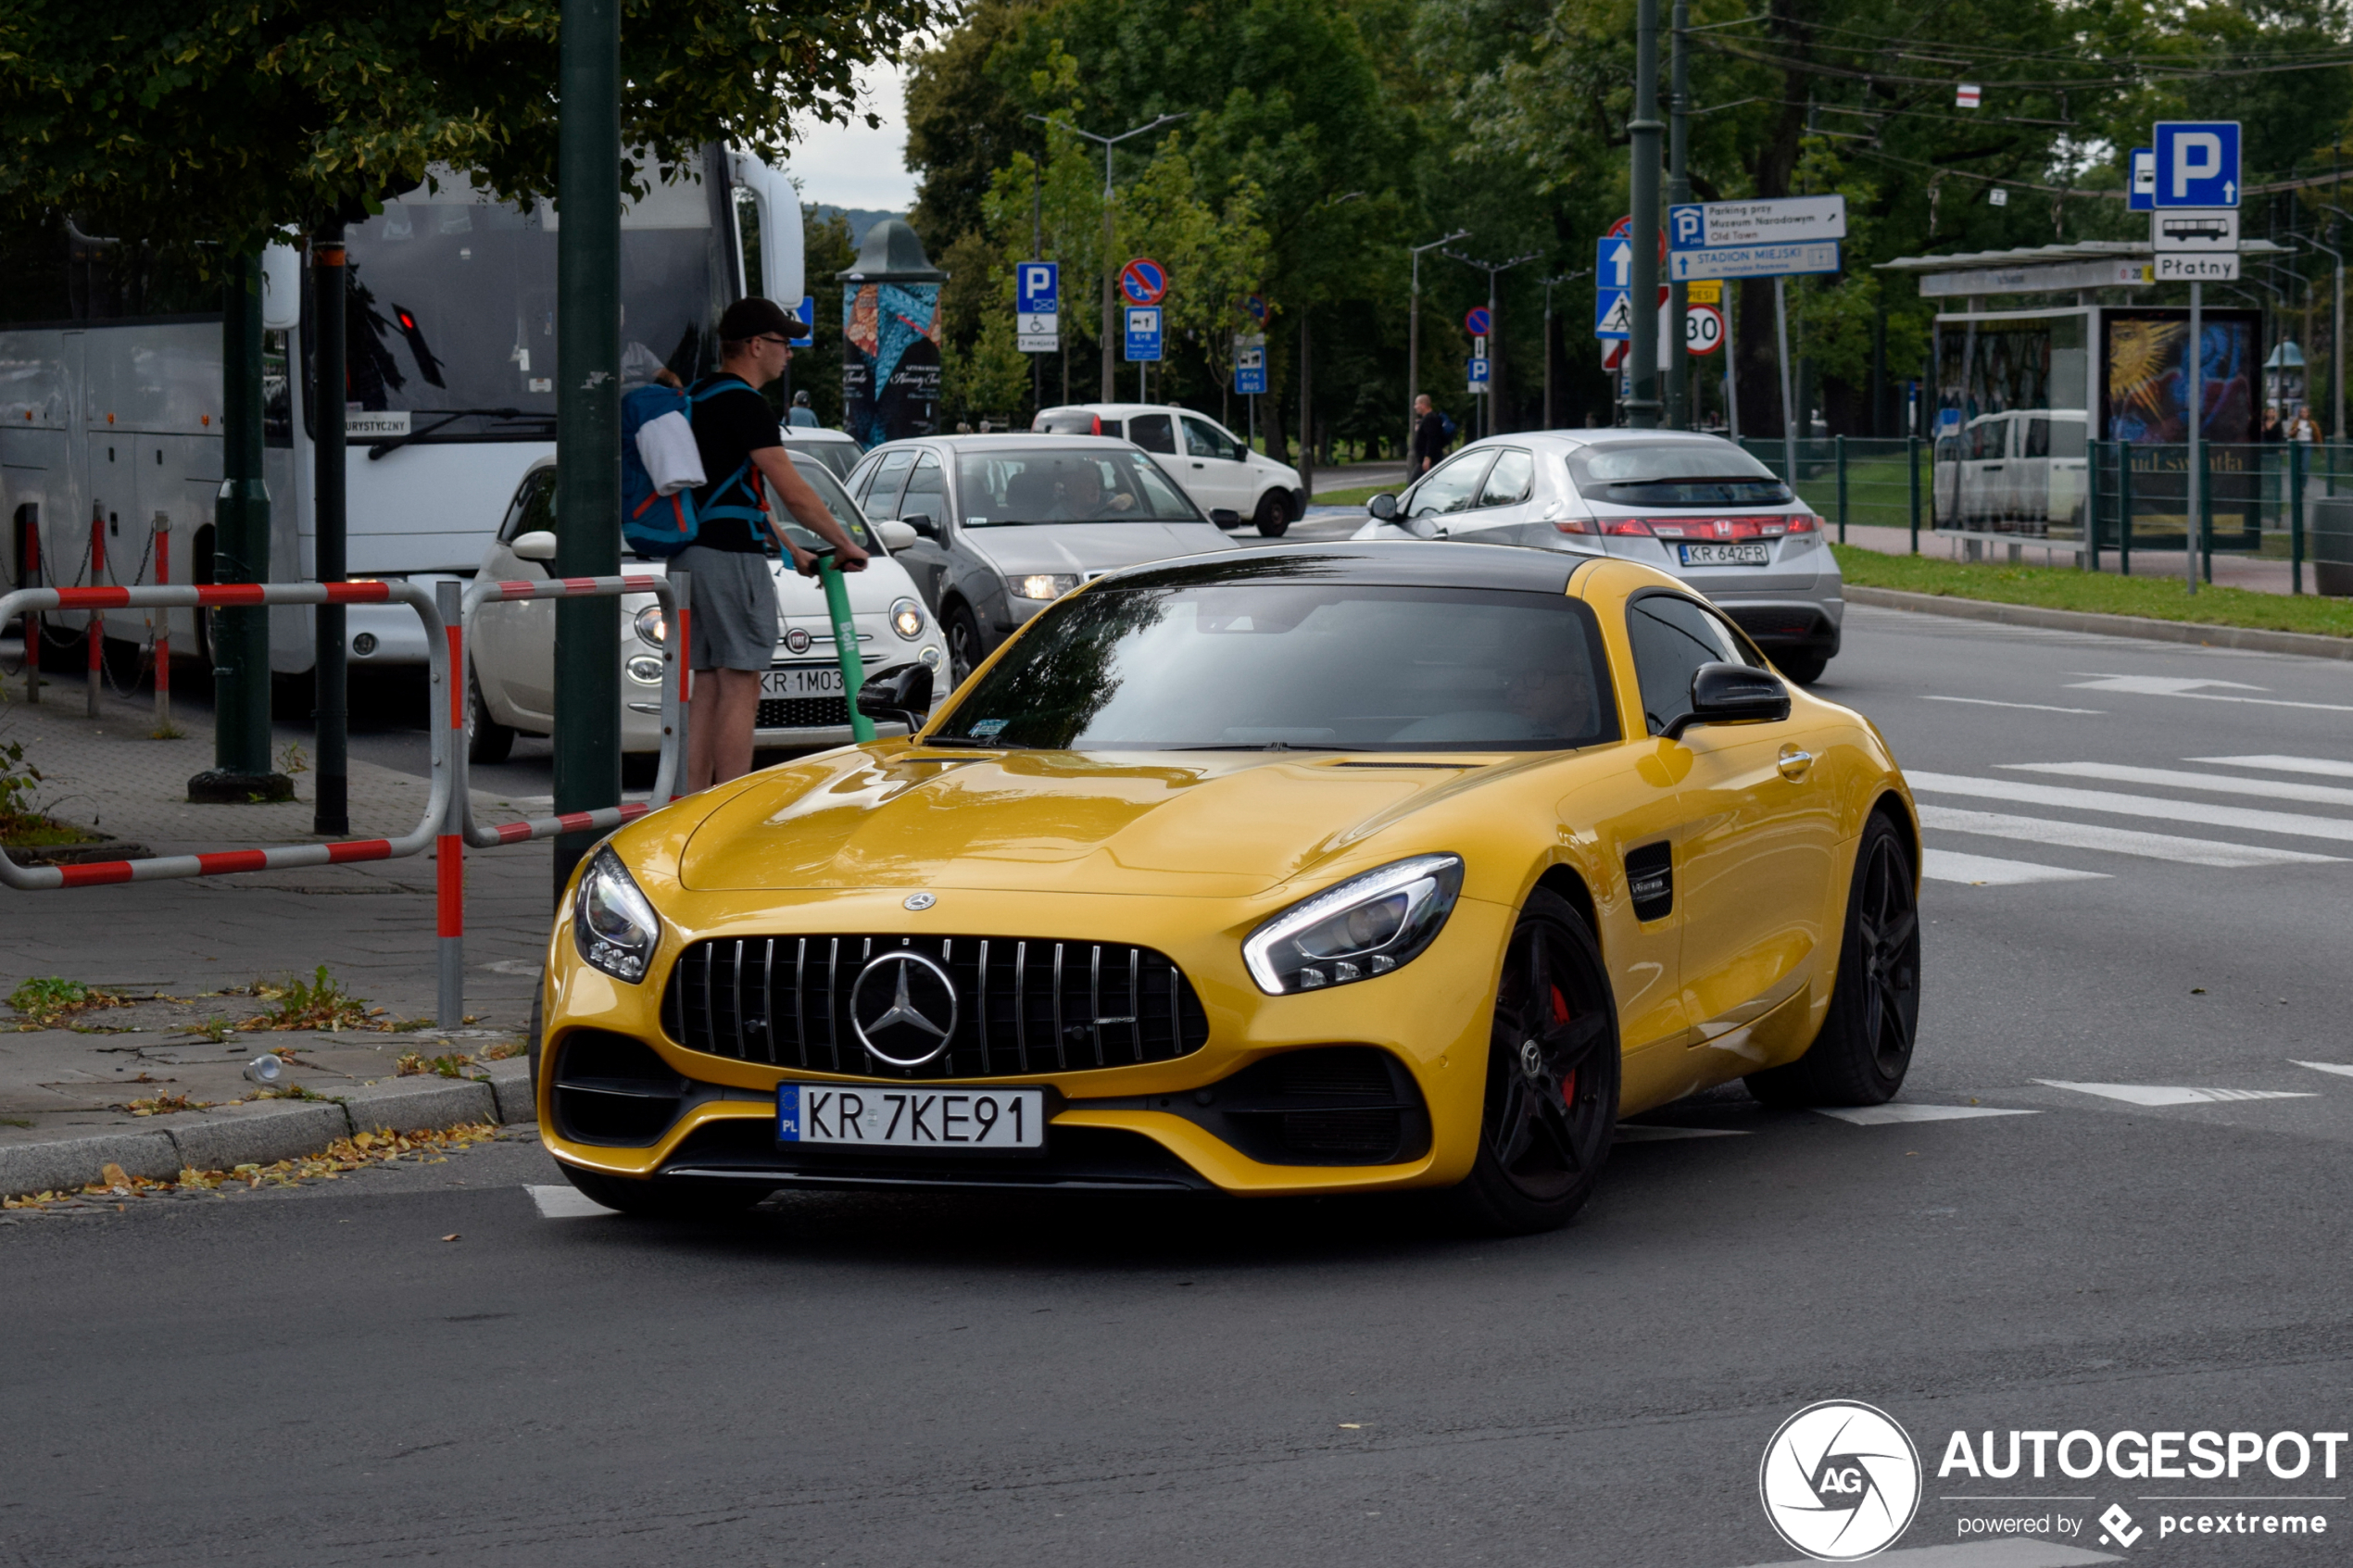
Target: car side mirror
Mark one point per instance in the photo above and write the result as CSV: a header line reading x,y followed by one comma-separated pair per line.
x,y
1728,694
895,533
537,545
922,523
1383,507
1225,517
901,695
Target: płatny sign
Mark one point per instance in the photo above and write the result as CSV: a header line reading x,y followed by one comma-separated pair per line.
x,y
2195,245
1038,308
1719,225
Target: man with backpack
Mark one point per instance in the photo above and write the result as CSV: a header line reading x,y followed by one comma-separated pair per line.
x,y
733,599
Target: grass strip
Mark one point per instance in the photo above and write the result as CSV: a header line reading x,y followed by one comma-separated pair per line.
x,y
2067,587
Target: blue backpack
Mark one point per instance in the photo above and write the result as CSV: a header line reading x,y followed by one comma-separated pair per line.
x,y
661,526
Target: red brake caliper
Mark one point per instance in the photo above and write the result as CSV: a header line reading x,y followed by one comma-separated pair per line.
x,y
1560,1016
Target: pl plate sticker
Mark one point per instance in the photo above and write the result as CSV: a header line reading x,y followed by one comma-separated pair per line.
x,y
1839,1481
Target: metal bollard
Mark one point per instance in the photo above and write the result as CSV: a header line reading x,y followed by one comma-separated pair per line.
x,y
163,626
449,845
97,635
853,666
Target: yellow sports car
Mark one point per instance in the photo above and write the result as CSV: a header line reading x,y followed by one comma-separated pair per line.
x,y
1309,869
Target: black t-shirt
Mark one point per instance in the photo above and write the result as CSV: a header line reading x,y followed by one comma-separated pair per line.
x,y
1429,438
728,429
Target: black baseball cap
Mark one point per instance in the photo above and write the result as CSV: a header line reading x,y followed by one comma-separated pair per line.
x,y
755,318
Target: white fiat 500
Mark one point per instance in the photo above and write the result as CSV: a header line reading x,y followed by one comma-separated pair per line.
x,y
801,703
1692,505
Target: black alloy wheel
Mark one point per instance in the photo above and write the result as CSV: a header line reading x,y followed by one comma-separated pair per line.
x,y
1551,1076
1865,1047
1274,515
964,650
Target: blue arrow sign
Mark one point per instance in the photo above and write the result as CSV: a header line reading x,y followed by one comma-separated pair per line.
x,y
1143,333
1038,288
2197,163
1614,262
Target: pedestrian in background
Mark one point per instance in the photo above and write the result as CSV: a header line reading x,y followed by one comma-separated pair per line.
x,y
801,416
733,636
1429,438
2303,429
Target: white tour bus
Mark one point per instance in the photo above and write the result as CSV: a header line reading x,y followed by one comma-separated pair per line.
x,y
110,409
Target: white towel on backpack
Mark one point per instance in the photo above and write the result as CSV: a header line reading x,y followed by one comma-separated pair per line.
x,y
666,445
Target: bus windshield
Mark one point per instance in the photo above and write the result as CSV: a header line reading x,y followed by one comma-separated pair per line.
x,y
451,309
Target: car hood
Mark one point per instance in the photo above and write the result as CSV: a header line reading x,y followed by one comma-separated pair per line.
x,y
1090,546
1147,824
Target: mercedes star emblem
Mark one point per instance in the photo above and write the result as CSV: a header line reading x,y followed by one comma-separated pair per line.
x,y
904,1007
919,902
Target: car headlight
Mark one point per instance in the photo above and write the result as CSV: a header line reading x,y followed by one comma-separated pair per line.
x,y
1044,586
1365,926
653,629
907,619
615,928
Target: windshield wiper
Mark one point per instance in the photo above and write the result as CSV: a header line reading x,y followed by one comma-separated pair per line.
x,y
1263,746
451,416
976,742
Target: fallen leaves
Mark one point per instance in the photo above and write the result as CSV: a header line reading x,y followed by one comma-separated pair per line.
x,y
451,1237
320,1002
451,1065
164,1105
48,1001
421,1146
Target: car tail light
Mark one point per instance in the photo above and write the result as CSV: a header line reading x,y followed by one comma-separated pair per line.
x,y
1619,525
1726,530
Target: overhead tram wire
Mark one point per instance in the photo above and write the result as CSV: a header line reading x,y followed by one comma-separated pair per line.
x,y
2190,72
1885,42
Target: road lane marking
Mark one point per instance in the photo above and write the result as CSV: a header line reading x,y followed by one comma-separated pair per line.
x,y
2118,841
2175,778
1948,865
2329,766
2037,707
1644,1131
1884,1115
566,1202
2168,685
2169,1093
2340,1069
2022,792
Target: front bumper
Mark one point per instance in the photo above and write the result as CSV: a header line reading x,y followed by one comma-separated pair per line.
x,y
1178,1125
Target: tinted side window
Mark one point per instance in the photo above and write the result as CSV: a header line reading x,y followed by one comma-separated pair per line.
x,y
1205,440
1671,638
1510,480
883,500
534,500
1153,432
927,491
1451,486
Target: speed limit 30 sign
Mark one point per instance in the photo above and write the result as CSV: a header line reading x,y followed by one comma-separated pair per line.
x,y
1703,329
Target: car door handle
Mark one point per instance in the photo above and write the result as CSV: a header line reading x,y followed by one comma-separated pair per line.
x,y
1794,762
1201,464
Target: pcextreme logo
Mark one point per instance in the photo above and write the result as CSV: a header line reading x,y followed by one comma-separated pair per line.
x,y
1839,1481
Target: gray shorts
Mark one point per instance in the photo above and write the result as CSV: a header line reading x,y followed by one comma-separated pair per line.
x,y
733,599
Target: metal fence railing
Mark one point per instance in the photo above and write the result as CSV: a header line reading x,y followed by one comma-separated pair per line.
x,y
1852,479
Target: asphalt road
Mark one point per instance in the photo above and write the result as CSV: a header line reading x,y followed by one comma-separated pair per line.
x,y
321,1377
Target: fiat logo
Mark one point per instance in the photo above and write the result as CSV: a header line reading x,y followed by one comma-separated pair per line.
x,y
797,641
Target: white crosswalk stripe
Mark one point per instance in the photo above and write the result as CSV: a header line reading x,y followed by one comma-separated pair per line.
x,y
2215,784
2197,811
2118,841
1984,870
2327,767
2173,1094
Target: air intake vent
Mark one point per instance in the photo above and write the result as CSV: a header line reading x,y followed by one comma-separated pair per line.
x,y
612,1089
1021,1006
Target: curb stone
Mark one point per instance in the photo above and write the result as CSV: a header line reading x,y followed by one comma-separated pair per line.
x,y
266,1132
2309,645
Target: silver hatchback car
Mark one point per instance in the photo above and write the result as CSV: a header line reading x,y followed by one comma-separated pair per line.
x,y
1695,506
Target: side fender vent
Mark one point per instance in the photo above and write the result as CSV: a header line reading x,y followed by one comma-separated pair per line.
x,y
1649,881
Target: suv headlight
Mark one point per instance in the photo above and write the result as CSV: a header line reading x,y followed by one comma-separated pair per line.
x,y
613,926
1043,585
1365,926
907,619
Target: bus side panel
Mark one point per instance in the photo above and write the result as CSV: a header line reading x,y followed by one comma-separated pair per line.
x,y
37,470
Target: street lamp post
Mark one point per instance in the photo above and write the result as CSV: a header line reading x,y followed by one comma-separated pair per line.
x,y
1494,319
1111,268
2336,331
1678,189
1642,402
1413,334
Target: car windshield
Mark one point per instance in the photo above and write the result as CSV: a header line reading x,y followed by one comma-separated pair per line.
x,y
1674,474
1257,666
1067,484
821,479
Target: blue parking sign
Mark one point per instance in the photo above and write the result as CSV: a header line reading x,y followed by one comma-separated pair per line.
x,y
1037,285
1143,333
2197,163
1478,374
804,323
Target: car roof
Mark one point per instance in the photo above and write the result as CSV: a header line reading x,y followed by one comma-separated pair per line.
x,y
1124,410
1401,563
816,433
1008,441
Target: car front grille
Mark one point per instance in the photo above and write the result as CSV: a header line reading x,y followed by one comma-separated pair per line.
x,y
803,713
1023,1006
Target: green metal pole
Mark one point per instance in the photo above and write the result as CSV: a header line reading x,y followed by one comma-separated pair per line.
x,y
331,775
1912,472
240,770
2296,517
2205,565
1838,456
853,665
2089,559
588,739
2124,508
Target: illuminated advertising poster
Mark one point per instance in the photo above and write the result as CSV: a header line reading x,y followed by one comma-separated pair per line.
x,y
891,363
